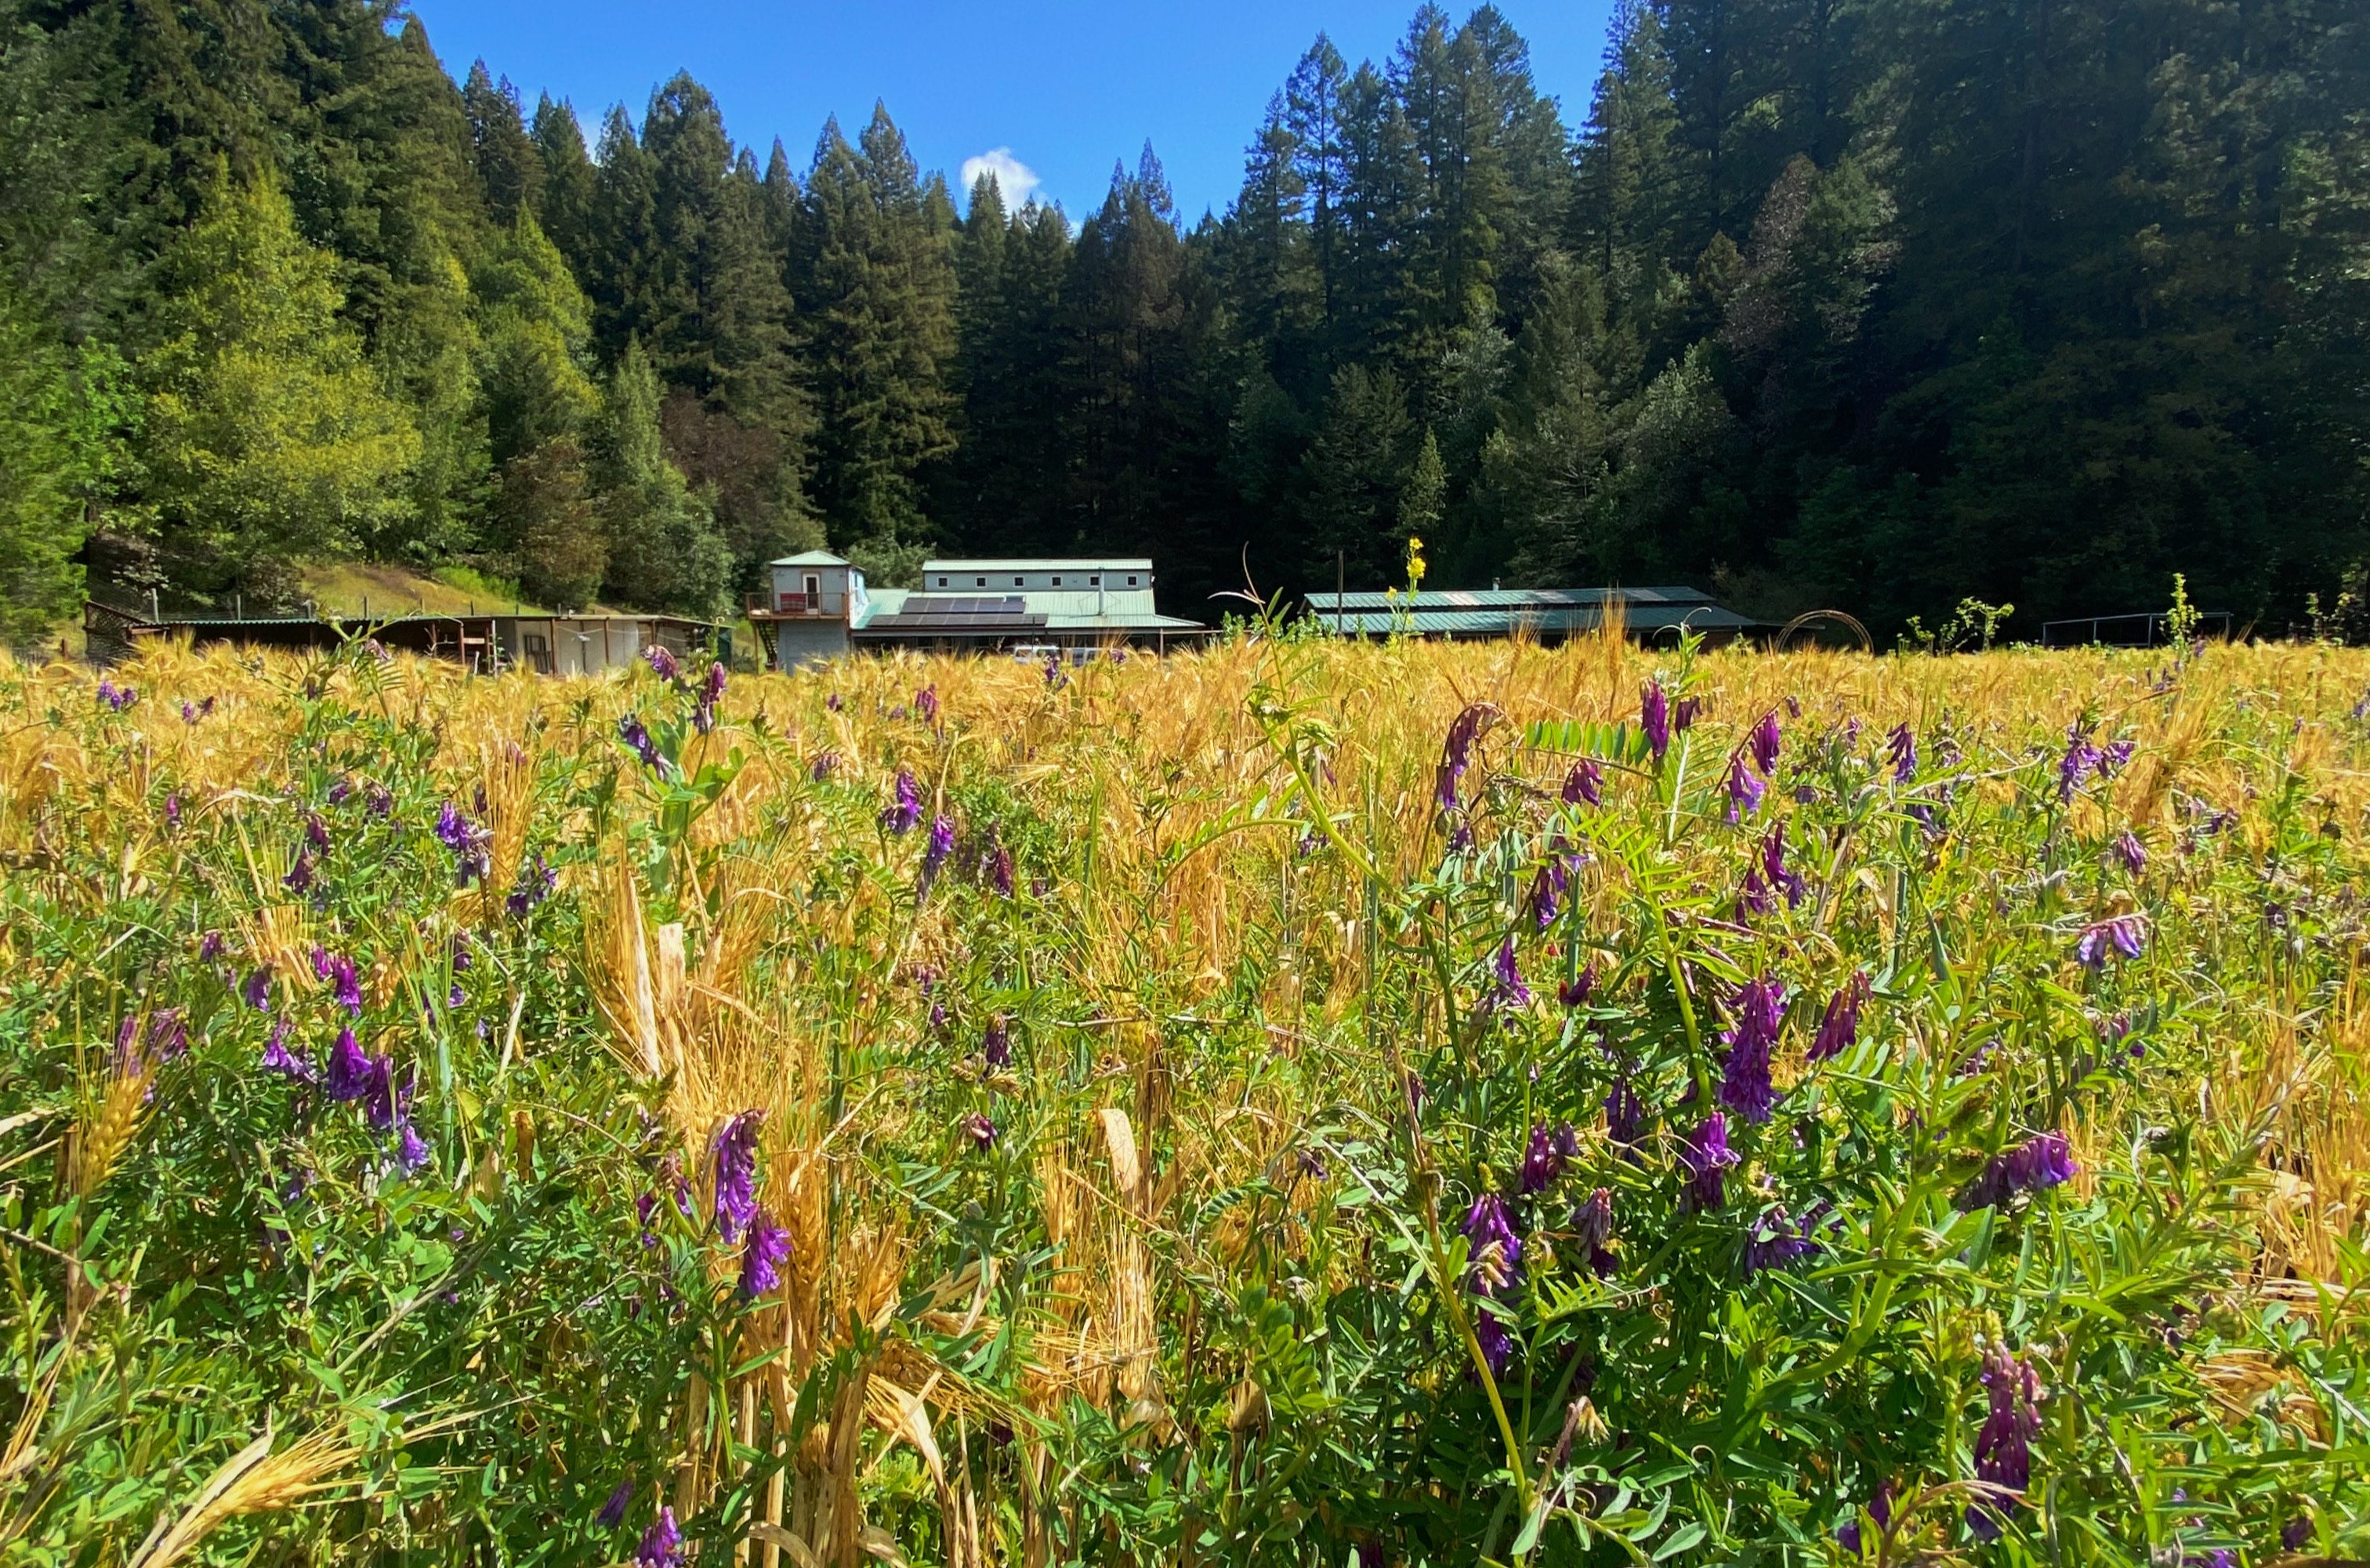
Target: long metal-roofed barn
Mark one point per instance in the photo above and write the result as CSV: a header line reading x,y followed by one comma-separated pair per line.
x,y
821,607
1546,614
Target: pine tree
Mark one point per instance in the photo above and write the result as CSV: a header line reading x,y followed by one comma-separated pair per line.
x,y
571,185
1359,463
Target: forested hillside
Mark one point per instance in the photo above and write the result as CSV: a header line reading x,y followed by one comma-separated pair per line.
x,y
1865,303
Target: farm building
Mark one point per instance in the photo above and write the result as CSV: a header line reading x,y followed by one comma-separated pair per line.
x,y
1546,614
821,608
548,644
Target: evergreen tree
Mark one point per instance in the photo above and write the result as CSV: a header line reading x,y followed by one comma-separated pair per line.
x,y
267,440
664,551
571,186
510,166
876,289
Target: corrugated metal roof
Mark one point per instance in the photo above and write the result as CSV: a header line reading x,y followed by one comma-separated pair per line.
x,y
1354,622
1503,598
1136,563
811,558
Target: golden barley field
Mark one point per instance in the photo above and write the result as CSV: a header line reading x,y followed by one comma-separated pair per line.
x,y
1295,1103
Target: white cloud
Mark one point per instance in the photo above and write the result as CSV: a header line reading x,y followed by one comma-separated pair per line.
x,y
1016,180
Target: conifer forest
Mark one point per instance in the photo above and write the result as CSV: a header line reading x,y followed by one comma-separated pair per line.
x,y
1874,304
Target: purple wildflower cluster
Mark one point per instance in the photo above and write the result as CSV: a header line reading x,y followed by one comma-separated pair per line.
x,y
1457,752
996,1046
1550,1151
344,979
736,1175
662,663
1575,991
1584,785
1745,1086
1770,875
1495,1259
1901,750
1839,1026
2034,1165
471,843
2004,1447
935,853
1745,784
903,813
762,1259
1507,992
2121,935
1776,1241
193,712
704,700
637,737
117,698
1654,719
925,703
2082,761
662,1544
1592,1226
982,1132
1708,1158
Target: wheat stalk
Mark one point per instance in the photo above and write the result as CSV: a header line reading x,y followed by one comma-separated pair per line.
x,y
253,1480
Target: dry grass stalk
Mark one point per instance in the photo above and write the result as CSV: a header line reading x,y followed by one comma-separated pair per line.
x,y
253,1480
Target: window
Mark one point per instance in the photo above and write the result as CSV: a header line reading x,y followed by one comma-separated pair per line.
x,y
1095,582
814,591
983,582
1057,582
1018,583
1131,582
942,582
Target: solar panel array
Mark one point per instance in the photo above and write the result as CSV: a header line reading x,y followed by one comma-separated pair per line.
x,y
958,613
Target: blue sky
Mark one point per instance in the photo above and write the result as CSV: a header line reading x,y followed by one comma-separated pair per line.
x,y
1064,88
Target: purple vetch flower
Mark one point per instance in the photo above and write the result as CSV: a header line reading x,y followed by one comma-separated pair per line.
x,y
833,703
1654,719
317,832
1880,1509
1591,1225
613,1512
1509,992
1544,1160
1762,742
646,1205
1744,788
2131,853
1547,889
300,876
711,691
662,663
1625,1113
470,844
671,1173
1456,751
173,810
279,1059
2297,1534
996,1045
637,737
662,1544
1584,785
925,703
999,872
1776,1242
2038,1163
2121,935
2081,759
387,1105
1839,1026
341,792
935,853
2004,1447
1684,716
1774,870
1576,991
2114,757
351,1072
982,1132
903,814
1745,1085
1707,1156
412,1153
1495,1250
168,1035
210,947
344,979
762,1259
736,1175
378,800
117,698
1312,1164
1497,1344
535,883
1901,750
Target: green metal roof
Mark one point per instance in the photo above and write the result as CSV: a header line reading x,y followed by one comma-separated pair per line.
x,y
989,567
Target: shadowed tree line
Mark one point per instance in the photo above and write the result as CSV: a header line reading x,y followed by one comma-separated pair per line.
x,y
1873,303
